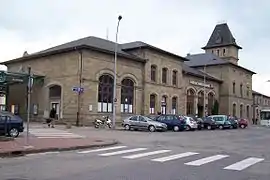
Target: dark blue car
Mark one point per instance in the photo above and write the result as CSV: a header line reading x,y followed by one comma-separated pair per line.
x,y
10,124
173,122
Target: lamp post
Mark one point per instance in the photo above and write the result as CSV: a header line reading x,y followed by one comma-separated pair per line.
x,y
115,64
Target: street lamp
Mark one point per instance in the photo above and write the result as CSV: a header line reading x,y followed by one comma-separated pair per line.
x,y
115,63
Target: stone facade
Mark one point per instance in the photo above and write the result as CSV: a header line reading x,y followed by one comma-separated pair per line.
x,y
149,81
260,102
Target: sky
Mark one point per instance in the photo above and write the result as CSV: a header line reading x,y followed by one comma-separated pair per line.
x,y
178,26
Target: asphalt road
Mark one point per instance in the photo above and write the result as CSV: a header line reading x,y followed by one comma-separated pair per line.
x,y
200,155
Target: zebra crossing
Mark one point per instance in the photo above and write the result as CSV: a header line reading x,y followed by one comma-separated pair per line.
x,y
137,153
52,133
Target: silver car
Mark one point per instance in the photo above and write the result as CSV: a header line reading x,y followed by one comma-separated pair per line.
x,y
143,123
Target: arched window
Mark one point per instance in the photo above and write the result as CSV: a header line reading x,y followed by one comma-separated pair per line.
x,y
153,73
234,110
241,111
233,87
210,103
190,102
247,111
164,105
174,78
241,90
174,105
152,104
105,93
127,95
164,75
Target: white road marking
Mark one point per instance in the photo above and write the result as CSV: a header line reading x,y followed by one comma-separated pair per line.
x,y
206,160
44,153
145,154
123,152
175,156
53,133
102,149
244,164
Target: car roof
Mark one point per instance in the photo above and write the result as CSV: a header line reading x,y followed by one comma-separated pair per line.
x,y
6,113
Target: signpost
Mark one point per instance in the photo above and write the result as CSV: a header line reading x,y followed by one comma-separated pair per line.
x,y
78,89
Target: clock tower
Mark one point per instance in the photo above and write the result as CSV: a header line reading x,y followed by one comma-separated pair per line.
x,y
223,44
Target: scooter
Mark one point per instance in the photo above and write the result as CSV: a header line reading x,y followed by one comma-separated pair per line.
x,y
105,121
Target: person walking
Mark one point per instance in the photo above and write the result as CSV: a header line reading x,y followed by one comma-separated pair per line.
x,y
52,117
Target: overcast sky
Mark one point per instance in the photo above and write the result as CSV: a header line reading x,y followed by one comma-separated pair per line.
x,y
179,26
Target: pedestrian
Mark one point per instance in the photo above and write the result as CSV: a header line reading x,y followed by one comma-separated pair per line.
x,y
253,121
256,121
52,117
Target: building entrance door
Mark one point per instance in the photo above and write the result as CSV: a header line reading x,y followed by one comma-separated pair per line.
x,y
56,106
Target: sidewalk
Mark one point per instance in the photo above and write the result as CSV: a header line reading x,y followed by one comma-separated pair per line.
x,y
18,147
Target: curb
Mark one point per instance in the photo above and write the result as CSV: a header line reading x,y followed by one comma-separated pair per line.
x,y
53,149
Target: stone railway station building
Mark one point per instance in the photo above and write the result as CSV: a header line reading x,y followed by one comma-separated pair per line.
x,y
149,79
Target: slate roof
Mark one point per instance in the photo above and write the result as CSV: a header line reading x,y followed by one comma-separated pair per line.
x,y
260,94
90,42
209,59
221,36
198,73
139,44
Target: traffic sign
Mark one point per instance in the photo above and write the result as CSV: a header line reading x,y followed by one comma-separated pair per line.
x,y
78,89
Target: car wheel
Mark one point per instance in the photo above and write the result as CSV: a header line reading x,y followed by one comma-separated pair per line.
x,y
151,128
175,128
13,132
127,127
220,127
209,127
243,126
231,127
188,128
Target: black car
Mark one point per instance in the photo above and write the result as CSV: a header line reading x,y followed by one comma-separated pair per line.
x,y
209,123
10,124
173,122
234,123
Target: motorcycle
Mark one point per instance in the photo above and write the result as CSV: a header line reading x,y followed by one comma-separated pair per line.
x,y
105,121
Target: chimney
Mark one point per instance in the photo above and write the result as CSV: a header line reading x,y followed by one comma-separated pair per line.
x,y
25,53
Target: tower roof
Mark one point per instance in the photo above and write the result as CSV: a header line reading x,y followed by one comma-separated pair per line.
x,y
221,36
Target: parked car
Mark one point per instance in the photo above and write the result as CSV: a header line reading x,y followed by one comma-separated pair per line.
x,y
143,123
242,123
222,121
234,123
10,124
191,124
209,123
173,122
199,122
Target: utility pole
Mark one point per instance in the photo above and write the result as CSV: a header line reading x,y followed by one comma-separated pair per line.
x,y
80,90
29,85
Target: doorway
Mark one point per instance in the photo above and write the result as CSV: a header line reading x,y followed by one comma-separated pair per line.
x,y
56,106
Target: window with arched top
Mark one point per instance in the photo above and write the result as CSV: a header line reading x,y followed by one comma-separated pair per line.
x,y
105,93
234,110
190,102
164,75
164,105
233,87
174,78
127,95
174,105
241,90
210,103
241,111
247,112
152,104
153,73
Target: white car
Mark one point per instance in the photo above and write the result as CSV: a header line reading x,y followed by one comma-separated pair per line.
x,y
191,124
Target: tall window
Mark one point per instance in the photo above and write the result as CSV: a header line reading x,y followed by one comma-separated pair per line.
x,y
218,52
105,93
153,73
127,95
234,109
241,111
152,104
164,75
174,105
174,78
224,51
241,90
247,111
190,102
247,91
233,87
210,103
164,105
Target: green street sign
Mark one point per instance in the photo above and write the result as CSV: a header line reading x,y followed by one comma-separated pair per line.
x,y
2,76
